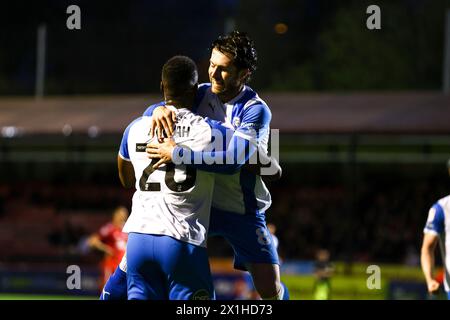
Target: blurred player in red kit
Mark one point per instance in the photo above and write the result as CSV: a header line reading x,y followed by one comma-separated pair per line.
x,y
111,241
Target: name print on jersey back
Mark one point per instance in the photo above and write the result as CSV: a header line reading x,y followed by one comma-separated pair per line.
x,y
173,200
182,131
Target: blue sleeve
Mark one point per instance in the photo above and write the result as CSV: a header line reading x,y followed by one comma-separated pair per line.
x,y
237,152
255,121
230,161
149,111
243,144
436,221
123,150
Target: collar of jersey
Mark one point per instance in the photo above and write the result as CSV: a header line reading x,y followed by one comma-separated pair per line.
x,y
170,107
235,99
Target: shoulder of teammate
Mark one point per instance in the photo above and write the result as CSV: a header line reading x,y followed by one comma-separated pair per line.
x,y
198,134
149,111
221,134
436,219
256,113
218,125
123,150
255,119
256,109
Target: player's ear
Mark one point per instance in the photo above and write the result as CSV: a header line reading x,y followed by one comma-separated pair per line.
x,y
161,87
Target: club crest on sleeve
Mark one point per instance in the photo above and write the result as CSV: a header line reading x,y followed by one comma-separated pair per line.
x,y
236,122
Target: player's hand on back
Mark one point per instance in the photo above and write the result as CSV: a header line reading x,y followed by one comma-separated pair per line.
x,y
163,120
162,151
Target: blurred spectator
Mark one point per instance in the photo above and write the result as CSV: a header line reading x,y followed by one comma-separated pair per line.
x,y
111,241
323,271
380,224
412,257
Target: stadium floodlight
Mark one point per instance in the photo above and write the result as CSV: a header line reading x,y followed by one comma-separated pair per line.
x,y
93,131
67,130
10,132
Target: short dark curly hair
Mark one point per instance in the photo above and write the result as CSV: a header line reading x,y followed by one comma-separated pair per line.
x,y
240,47
179,74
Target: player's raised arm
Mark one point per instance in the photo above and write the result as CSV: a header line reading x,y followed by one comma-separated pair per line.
x,y
95,242
242,146
227,162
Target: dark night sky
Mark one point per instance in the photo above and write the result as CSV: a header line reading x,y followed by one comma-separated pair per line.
x,y
122,45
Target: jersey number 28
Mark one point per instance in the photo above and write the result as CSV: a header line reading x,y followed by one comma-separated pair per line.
x,y
188,183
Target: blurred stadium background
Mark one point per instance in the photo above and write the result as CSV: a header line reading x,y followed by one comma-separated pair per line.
x,y
363,118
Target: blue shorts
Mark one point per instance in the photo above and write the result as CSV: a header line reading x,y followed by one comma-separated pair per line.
x,y
247,234
161,268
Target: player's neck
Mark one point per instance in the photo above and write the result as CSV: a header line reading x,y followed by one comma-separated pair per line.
x,y
228,96
179,103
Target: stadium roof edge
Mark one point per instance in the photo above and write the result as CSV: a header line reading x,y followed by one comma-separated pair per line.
x,y
419,112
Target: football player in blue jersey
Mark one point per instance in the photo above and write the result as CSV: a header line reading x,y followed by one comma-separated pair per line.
x,y
240,199
437,231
